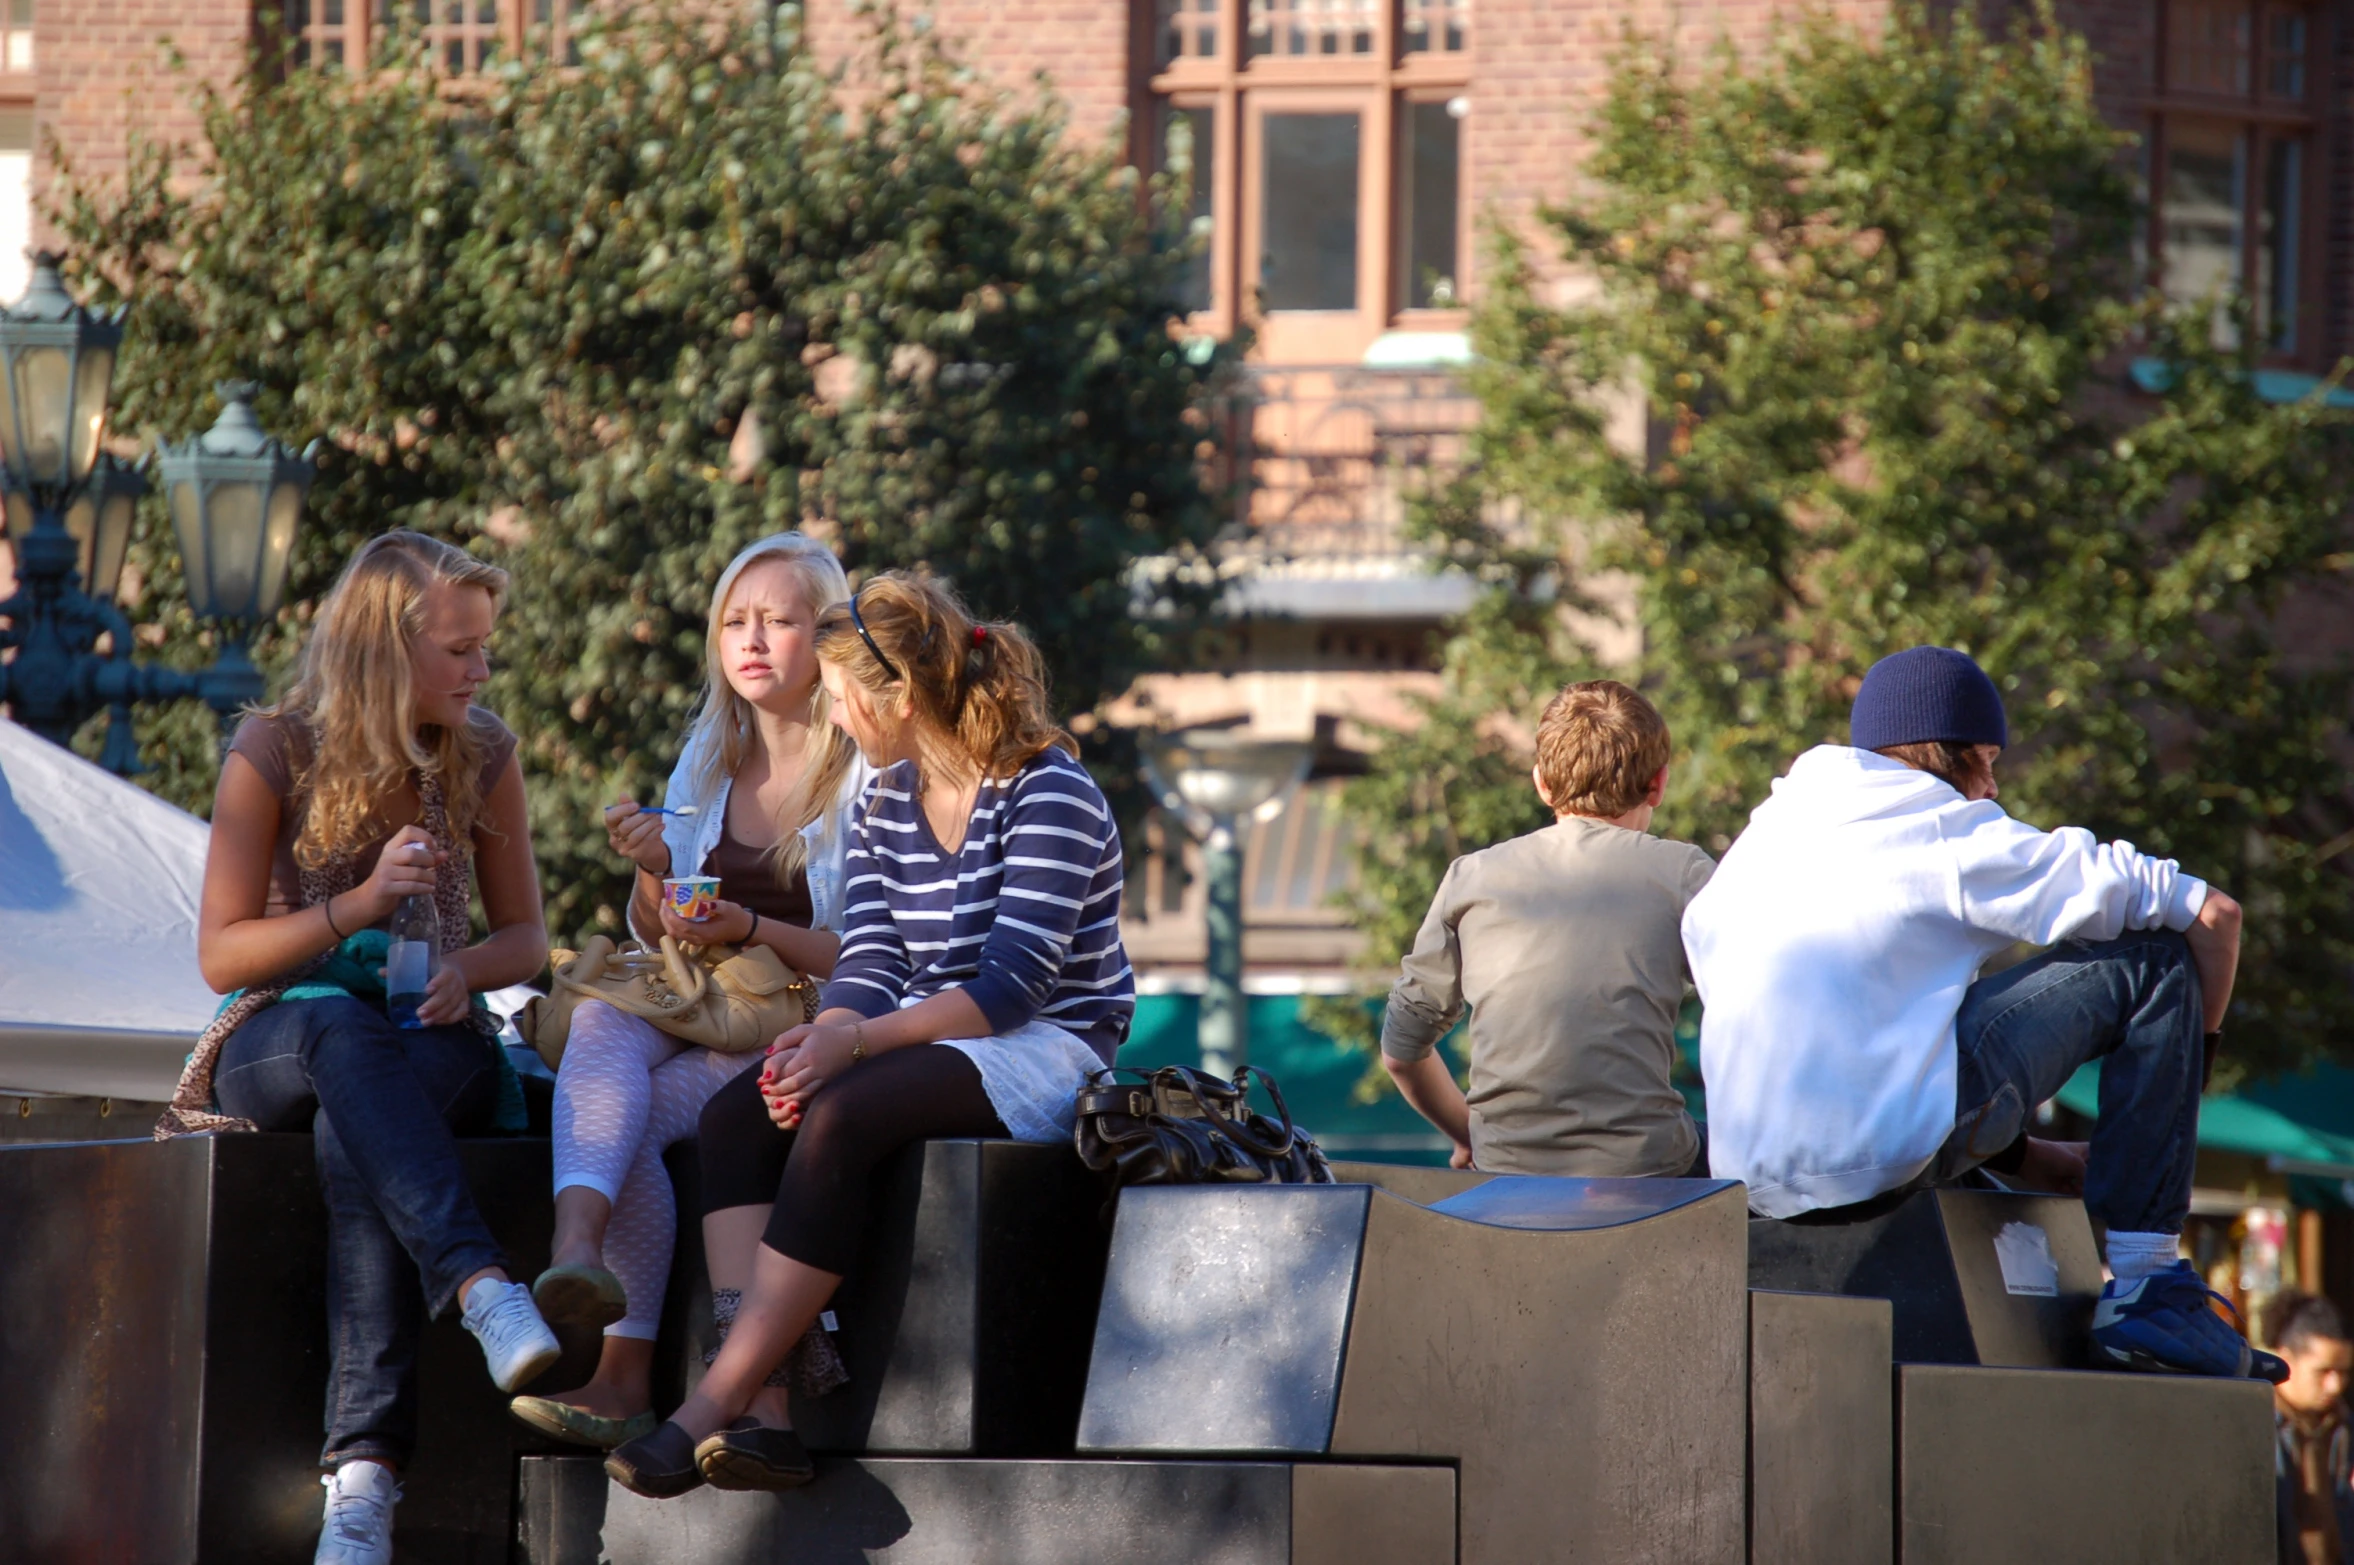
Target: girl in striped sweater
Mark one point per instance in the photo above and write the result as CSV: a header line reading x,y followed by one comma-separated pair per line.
x,y
981,978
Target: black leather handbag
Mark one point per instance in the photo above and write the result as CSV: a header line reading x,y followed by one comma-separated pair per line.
x,y
1179,1126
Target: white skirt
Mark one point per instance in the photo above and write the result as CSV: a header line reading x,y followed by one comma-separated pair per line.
x,y
1033,1076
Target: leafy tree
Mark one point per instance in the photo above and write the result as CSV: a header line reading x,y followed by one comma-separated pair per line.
x,y
606,325
1876,295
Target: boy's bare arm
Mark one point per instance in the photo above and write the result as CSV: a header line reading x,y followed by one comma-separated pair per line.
x,y
1430,1086
2215,950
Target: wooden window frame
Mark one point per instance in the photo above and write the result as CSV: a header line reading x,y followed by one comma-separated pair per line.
x,y
1241,91
2265,121
19,77
361,28
1403,316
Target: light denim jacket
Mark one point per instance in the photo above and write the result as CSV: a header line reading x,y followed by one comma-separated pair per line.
x,y
691,838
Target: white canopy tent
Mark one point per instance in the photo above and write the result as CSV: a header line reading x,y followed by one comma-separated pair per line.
x,y
99,990
99,881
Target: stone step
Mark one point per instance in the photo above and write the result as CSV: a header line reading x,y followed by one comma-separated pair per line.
x,y
1975,1276
2087,1467
949,1511
1577,1348
163,1338
1822,1415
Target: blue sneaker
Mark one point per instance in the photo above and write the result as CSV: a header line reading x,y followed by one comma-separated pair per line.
x,y
2163,1322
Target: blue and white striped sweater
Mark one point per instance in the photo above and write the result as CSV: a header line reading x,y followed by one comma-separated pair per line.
x,y
1025,918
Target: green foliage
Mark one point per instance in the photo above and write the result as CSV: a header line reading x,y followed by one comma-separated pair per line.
x,y
1875,295
606,325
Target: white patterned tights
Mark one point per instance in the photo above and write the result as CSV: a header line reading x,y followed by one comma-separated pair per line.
x,y
625,1092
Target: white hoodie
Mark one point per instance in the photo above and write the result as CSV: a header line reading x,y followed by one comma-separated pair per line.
x,y
1832,950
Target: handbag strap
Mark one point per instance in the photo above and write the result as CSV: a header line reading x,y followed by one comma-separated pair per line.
x,y
1241,1132
1106,1093
688,979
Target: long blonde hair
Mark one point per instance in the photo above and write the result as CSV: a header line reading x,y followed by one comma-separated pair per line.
x,y
981,683
355,694
724,724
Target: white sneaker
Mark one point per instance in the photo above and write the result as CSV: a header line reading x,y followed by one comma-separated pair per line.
x,y
358,1528
514,1339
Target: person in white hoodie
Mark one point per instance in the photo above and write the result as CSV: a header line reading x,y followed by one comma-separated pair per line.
x,y
1850,1047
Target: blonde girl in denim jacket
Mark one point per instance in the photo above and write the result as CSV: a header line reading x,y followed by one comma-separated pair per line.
x,y
761,798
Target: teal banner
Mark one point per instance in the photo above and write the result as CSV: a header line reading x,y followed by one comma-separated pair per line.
x,y
1320,1078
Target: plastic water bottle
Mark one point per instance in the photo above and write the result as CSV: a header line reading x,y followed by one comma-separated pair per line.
x,y
414,956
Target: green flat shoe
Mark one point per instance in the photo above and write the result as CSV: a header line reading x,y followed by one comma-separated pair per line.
x,y
579,1426
579,1296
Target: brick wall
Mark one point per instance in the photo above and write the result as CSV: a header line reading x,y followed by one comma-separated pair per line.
x,y
1082,46
103,73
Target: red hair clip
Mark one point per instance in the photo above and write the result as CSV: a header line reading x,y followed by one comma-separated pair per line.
x,y
980,634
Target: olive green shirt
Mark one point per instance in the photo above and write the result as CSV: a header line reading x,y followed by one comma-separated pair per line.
x,y
1566,945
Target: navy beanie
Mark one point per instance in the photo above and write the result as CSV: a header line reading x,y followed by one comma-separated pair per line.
x,y
1926,695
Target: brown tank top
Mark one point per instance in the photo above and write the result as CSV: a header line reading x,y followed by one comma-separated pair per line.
x,y
745,876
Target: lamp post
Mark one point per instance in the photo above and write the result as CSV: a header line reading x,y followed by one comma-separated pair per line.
x,y
236,497
1211,779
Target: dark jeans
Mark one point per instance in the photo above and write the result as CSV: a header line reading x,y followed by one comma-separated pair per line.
x,y
818,1176
402,1229
2132,1003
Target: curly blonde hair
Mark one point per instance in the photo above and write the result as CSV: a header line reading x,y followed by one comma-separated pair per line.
x,y
354,696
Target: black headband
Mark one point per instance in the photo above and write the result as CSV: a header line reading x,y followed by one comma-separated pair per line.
x,y
889,667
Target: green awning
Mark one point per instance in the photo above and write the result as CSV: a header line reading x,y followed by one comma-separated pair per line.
x,y
2301,1124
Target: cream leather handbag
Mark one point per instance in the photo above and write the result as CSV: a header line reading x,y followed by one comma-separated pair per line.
x,y
726,998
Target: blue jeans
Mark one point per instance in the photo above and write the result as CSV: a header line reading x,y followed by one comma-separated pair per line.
x,y
382,1105
2132,1003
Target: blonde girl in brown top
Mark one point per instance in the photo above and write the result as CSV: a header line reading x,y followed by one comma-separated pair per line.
x,y
761,799
374,780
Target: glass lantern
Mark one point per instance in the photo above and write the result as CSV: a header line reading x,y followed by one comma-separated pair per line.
x,y
236,499
56,373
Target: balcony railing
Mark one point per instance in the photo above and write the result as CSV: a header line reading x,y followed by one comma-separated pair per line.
x,y
1335,455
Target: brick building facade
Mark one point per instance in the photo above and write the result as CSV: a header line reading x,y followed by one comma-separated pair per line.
x,y
1375,137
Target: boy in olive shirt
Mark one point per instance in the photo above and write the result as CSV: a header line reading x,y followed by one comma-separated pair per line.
x,y
1566,944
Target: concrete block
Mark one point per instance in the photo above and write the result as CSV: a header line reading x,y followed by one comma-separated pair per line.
x,y
1822,1419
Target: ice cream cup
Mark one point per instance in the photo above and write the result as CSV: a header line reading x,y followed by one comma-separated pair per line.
x,y
692,897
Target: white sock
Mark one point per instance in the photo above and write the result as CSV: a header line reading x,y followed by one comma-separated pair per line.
x,y
2135,1256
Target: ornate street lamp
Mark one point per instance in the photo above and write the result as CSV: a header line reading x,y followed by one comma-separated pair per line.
x,y
1212,778
236,498
56,372
98,520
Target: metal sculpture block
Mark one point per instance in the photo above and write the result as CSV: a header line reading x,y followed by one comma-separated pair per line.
x,y
2091,1468
966,1318
26,1120
1976,1276
1576,1347
163,1333
1822,1410
930,1511
1411,1181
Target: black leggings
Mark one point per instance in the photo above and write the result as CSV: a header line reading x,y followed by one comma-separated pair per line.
x,y
818,1175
